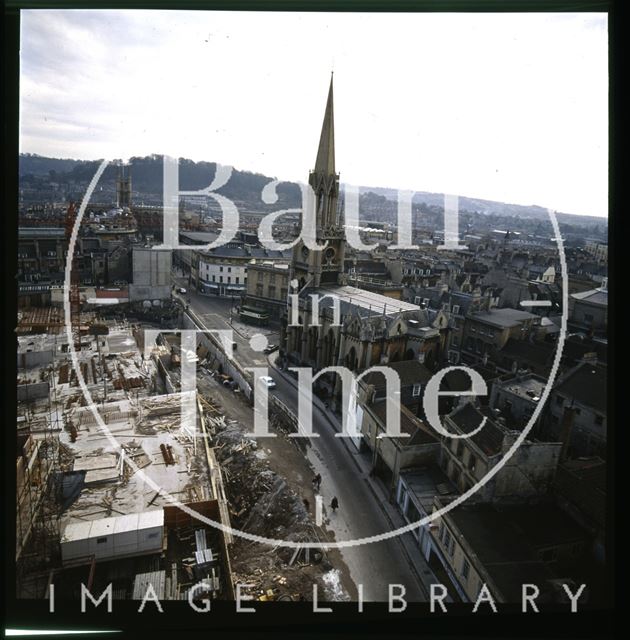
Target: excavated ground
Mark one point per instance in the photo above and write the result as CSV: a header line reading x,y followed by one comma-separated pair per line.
x,y
266,484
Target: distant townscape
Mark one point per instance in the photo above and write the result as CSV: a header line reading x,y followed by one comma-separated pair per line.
x,y
110,474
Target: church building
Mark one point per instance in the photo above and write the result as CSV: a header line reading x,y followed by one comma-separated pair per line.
x,y
374,329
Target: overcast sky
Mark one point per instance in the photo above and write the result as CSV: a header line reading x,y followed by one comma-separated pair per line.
x,y
509,107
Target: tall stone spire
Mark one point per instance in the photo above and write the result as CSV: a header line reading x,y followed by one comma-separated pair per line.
x,y
321,266
325,163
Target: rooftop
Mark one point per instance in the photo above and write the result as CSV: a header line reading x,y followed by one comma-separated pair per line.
x,y
511,554
409,372
467,418
41,232
409,423
586,384
583,483
504,318
427,482
374,303
528,387
594,296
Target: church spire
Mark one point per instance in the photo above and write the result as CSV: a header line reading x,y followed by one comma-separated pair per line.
x,y
325,163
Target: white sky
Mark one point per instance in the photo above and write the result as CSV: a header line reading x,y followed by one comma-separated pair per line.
x,y
509,107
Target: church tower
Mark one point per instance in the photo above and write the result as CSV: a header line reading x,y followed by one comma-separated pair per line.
x,y
123,188
323,267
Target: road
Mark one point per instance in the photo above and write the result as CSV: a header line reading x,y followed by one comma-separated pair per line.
x,y
377,564
220,313
374,565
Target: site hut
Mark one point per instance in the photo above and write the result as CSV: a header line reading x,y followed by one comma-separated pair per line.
x,y
112,538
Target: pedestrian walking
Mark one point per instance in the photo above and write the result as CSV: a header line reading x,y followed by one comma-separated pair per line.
x,y
307,504
334,504
317,481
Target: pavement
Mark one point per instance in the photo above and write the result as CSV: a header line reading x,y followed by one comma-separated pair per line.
x,y
365,508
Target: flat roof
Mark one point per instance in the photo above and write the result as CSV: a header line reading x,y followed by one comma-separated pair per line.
x,y
76,531
102,527
503,318
151,519
126,523
594,296
528,387
38,232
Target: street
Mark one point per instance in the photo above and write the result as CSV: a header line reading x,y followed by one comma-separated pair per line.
x,y
374,565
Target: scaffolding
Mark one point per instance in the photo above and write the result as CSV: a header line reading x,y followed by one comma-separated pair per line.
x,y
37,550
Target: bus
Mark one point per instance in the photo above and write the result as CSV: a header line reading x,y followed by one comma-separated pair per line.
x,y
254,315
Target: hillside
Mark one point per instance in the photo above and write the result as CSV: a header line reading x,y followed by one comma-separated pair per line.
x,y
244,188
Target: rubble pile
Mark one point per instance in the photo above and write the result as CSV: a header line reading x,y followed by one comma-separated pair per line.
x,y
262,503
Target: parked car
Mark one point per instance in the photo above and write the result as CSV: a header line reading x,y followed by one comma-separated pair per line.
x,y
268,381
181,290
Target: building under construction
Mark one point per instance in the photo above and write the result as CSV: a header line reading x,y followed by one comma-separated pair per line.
x,y
87,508
37,548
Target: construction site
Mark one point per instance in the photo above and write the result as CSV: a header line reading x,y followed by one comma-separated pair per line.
x,y
105,459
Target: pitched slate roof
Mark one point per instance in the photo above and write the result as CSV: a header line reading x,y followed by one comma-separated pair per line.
x,y
467,418
583,484
587,385
409,371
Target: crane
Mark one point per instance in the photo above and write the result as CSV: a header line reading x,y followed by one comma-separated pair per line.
x,y
75,298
